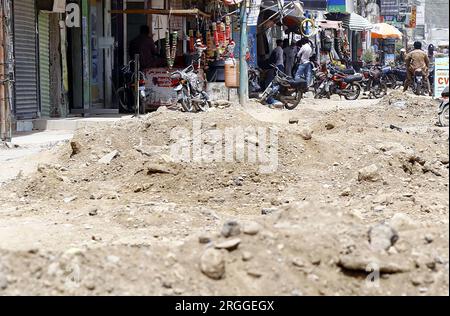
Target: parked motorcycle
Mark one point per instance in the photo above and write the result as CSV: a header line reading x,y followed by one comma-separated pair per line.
x,y
390,78
285,89
254,82
337,82
189,87
444,109
373,83
126,93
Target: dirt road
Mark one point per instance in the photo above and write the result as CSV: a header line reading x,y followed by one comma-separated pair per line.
x,y
355,203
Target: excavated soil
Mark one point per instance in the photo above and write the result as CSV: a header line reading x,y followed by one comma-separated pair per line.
x,y
143,223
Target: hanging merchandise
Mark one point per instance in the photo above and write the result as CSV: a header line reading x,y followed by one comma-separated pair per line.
x,y
171,48
221,36
210,45
216,35
227,30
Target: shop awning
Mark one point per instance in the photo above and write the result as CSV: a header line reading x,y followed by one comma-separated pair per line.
x,y
189,12
355,22
385,31
289,14
327,24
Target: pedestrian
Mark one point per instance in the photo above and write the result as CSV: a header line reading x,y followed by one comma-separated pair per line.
x,y
305,67
401,57
144,45
290,53
417,59
276,59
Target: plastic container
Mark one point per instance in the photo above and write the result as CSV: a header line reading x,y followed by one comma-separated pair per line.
x,y
231,73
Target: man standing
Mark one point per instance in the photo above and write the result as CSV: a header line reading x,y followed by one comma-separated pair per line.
x,y
417,59
277,59
305,68
290,52
145,47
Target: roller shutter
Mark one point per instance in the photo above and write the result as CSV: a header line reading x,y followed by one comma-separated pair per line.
x,y
25,50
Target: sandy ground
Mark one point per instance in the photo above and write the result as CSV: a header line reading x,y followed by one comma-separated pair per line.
x,y
357,204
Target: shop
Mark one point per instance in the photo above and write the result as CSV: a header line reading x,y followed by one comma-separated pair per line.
x,y
102,47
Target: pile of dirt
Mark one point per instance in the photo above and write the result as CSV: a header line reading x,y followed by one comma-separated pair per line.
x,y
353,194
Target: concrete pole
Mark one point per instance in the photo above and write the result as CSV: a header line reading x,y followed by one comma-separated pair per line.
x,y
243,77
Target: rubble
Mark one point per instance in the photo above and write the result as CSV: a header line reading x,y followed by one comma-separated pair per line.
x,y
307,222
212,264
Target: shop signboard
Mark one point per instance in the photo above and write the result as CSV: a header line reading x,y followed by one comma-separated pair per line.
x,y
389,7
337,6
413,17
441,75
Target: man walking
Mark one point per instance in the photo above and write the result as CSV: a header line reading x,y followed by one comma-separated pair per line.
x,y
417,59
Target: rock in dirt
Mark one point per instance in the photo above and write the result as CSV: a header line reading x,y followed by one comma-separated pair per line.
x,y
268,211
251,228
212,264
93,212
158,169
76,148
294,120
364,264
402,222
382,237
3,281
107,159
306,134
231,229
229,245
204,239
330,126
369,174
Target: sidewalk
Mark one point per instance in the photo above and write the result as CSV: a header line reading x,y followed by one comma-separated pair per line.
x,y
73,123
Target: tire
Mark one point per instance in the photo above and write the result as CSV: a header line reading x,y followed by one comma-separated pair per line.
x,y
380,90
356,88
418,89
294,104
186,101
205,104
126,99
443,117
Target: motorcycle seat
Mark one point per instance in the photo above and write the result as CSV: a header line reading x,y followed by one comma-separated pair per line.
x,y
300,83
349,71
353,78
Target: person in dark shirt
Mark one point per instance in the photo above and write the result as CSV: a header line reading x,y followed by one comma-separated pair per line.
x,y
145,47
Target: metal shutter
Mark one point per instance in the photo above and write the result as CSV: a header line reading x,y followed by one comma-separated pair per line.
x,y
26,79
44,63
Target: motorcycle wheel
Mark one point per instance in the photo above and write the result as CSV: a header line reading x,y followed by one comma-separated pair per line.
x,y
186,101
292,105
443,117
380,90
267,93
418,90
126,100
353,92
204,105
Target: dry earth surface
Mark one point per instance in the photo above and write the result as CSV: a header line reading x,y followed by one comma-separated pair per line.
x,y
359,192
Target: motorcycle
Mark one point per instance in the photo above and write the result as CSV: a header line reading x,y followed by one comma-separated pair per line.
x,y
285,89
389,77
337,82
444,109
419,87
189,87
126,93
373,82
254,81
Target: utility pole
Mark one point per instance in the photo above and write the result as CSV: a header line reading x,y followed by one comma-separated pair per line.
x,y
243,76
